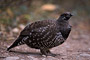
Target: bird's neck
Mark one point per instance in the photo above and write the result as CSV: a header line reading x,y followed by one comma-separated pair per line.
x,y
60,19
64,28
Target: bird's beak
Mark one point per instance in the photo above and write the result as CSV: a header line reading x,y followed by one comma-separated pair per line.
x,y
71,14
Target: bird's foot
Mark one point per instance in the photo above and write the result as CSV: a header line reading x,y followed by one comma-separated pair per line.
x,y
47,53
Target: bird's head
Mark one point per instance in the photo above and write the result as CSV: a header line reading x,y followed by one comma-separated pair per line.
x,y
65,16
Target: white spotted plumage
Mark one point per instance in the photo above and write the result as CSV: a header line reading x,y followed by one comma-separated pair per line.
x,y
23,40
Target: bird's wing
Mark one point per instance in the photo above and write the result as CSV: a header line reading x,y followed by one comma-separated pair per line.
x,y
38,27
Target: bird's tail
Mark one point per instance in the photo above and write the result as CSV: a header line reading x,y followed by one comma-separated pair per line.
x,y
16,43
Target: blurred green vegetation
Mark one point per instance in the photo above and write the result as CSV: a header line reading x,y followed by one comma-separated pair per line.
x,y
16,12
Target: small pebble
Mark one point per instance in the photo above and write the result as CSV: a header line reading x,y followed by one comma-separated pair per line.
x,y
11,58
15,30
85,54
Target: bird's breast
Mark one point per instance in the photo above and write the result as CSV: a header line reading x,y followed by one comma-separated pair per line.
x,y
65,31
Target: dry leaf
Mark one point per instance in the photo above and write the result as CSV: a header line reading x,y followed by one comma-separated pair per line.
x,y
10,13
49,7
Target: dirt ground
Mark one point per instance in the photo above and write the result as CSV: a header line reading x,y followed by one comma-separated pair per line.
x,y
76,47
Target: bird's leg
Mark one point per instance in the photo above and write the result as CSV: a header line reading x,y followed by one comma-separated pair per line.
x,y
47,52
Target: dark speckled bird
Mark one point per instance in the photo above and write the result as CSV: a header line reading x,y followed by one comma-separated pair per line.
x,y
45,34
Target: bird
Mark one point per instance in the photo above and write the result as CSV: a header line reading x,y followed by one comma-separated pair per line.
x,y
45,34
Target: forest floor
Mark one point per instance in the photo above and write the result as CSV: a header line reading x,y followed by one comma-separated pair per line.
x,y
76,47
